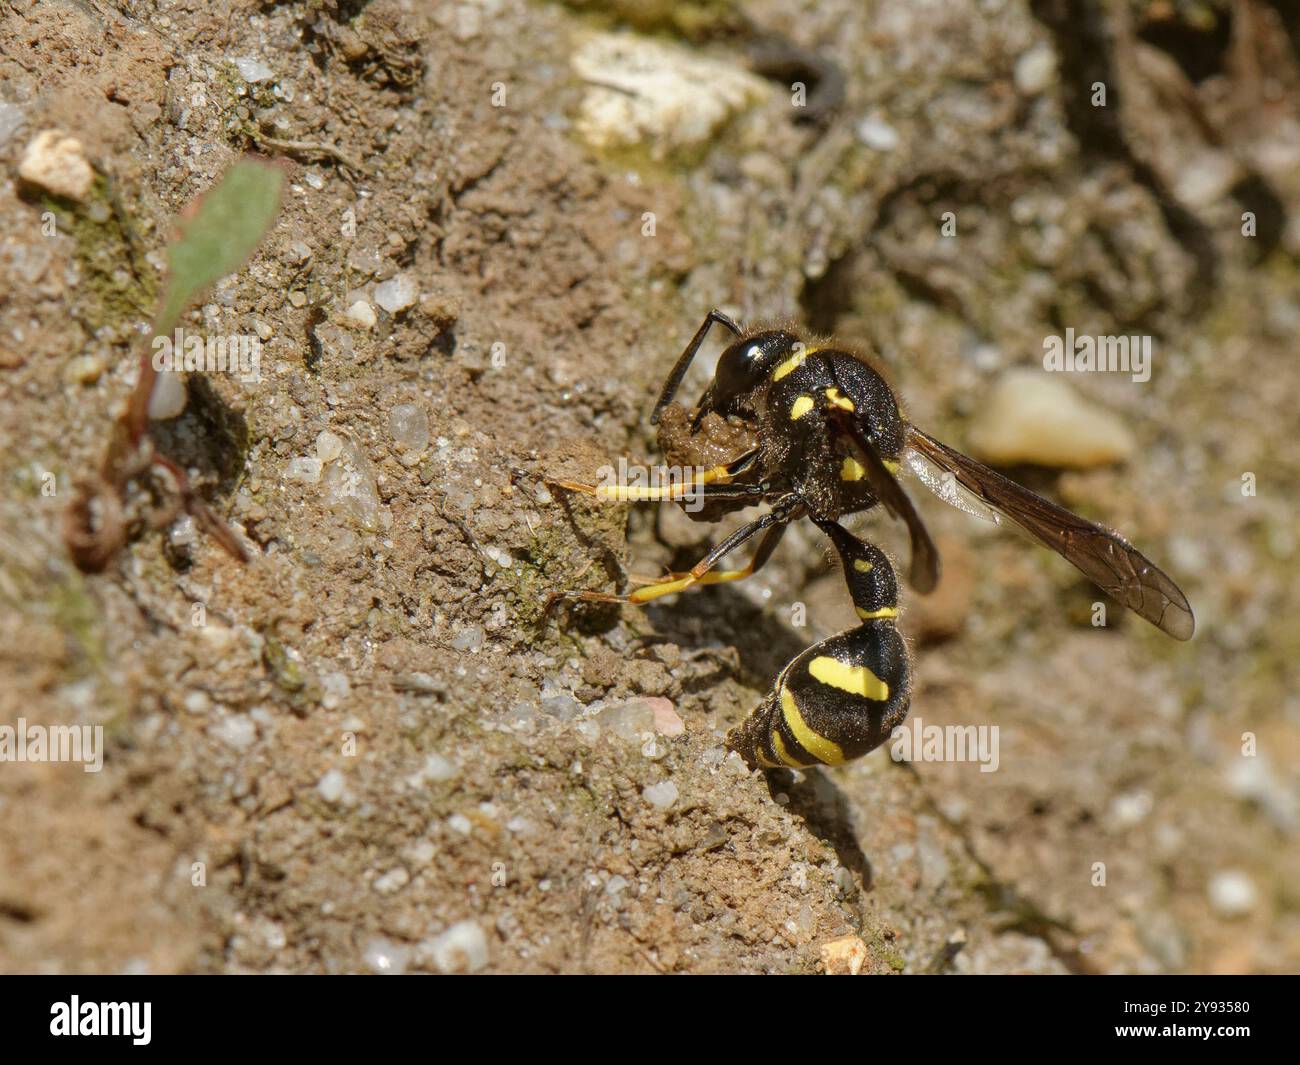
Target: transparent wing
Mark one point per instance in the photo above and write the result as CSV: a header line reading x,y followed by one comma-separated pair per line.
x,y
1105,558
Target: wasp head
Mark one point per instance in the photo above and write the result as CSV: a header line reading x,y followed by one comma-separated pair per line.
x,y
744,369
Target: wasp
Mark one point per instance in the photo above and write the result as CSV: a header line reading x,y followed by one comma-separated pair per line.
x,y
829,440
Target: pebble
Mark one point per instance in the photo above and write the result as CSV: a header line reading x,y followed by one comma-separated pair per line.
x,y
437,768
361,314
421,852
470,639
85,369
329,446
57,163
1254,780
844,956
661,795
168,397
646,92
562,707
335,689
330,787
877,134
197,703
184,531
392,881
304,468
1232,893
386,958
463,948
1035,70
1031,416
398,293
235,731
629,720
408,424
254,70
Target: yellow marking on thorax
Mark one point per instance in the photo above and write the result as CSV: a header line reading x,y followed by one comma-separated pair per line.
x,y
801,406
843,402
871,615
857,680
862,565
889,464
818,746
852,470
791,364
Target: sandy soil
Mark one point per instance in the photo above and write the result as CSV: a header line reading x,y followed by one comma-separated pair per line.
x,y
367,750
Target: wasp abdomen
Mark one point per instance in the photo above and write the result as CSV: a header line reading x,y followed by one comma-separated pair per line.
x,y
842,697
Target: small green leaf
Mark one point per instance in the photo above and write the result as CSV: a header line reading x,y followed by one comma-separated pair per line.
x,y
226,225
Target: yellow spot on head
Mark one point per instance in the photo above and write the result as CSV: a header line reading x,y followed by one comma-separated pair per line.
x,y
852,470
833,394
801,406
862,565
857,680
817,745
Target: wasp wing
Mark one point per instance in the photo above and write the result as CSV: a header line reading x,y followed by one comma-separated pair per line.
x,y
1108,560
924,572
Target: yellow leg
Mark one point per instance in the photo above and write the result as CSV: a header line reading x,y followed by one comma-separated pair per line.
x,y
677,582
673,490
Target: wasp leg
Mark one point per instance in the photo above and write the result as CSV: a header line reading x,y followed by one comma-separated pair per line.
x,y
773,524
844,696
684,360
706,486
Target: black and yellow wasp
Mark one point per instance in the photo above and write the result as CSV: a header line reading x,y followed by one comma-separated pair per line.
x,y
830,442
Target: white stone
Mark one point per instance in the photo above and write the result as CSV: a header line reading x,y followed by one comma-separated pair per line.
x,y
463,948
397,293
168,397
386,958
329,446
409,425
361,315
661,795
1232,893
877,134
330,787
644,91
1036,417
392,881
305,468
1035,70
254,70
57,163
236,731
